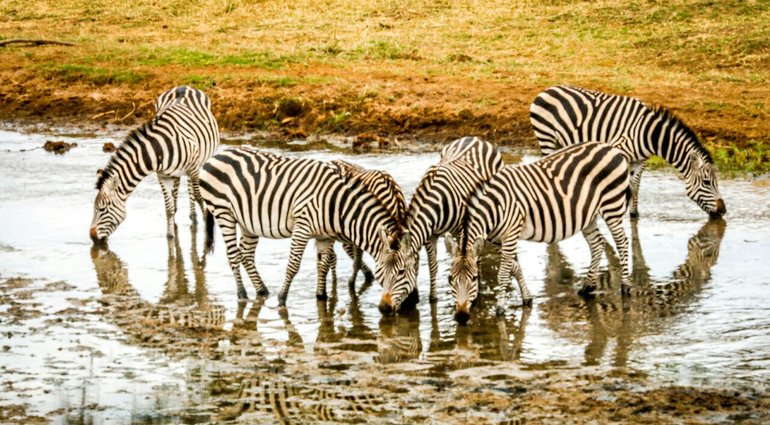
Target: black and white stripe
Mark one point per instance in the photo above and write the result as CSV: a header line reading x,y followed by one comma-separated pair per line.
x,y
383,186
176,142
266,195
436,208
545,201
564,115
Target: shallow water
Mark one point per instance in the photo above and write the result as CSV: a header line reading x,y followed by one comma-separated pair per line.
x,y
699,315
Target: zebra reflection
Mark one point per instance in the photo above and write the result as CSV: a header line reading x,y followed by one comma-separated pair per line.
x,y
606,318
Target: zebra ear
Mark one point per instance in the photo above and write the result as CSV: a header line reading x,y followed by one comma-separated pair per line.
x,y
100,172
406,241
696,160
478,246
383,232
451,244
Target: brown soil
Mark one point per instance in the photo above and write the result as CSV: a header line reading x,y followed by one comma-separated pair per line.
x,y
362,100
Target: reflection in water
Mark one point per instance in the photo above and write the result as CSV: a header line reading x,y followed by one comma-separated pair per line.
x,y
177,306
607,317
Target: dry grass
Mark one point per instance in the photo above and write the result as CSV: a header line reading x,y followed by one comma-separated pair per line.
x,y
707,60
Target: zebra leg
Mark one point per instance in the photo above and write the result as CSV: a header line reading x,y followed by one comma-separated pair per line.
x,y
248,249
615,224
357,254
430,248
595,242
169,186
227,227
509,265
636,178
299,240
191,195
324,255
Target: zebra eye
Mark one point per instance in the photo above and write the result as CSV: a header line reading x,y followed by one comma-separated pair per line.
x,y
707,182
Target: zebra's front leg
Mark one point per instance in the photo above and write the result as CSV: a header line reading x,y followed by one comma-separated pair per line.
x,y
356,255
324,255
227,228
430,248
509,265
636,178
299,240
170,187
615,224
595,243
248,249
193,186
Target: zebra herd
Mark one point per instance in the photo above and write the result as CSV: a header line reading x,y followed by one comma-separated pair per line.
x,y
595,148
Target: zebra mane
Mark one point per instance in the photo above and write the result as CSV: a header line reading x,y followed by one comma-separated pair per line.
x,y
463,243
132,137
681,127
356,182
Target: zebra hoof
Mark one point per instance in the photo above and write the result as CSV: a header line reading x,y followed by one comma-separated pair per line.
x,y
433,299
527,302
634,214
242,295
282,300
352,282
586,290
625,289
321,297
263,292
500,311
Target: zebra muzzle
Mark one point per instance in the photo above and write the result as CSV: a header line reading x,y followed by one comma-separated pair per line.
x,y
386,305
462,314
94,237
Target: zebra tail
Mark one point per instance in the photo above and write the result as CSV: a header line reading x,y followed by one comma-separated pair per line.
x,y
208,244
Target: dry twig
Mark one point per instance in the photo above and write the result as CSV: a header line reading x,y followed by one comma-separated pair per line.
x,y
34,42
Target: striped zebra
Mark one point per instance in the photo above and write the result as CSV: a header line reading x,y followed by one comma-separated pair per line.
x,y
564,115
387,190
436,208
545,201
267,195
176,142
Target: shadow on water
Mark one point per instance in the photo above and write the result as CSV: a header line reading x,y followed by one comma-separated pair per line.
x,y
607,316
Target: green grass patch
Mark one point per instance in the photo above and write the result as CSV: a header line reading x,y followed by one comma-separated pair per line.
x,y
91,74
753,158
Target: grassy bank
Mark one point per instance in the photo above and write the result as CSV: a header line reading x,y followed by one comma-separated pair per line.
x,y
421,69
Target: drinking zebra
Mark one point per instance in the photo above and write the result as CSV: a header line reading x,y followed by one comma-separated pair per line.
x,y
436,208
545,201
564,115
267,195
387,190
181,136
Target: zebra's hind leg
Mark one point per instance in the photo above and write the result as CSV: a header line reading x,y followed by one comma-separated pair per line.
x,y
170,187
595,243
325,257
299,239
430,248
248,249
615,224
636,178
355,254
234,256
193,185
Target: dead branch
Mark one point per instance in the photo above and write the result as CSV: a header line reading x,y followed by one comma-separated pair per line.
x,y
103,114
34,42
129,114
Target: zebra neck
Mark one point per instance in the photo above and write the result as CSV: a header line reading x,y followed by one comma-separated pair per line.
x,y
667,137
128,167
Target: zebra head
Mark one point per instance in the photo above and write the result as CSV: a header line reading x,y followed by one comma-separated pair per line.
x,y
464,277
109,208
396,271
701,186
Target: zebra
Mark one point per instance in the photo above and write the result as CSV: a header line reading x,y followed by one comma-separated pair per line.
x,y
385,188
267,195
436,208
565,115
176,142
545,201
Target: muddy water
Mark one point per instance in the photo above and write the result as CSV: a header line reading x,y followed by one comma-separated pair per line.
x,y
143,331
